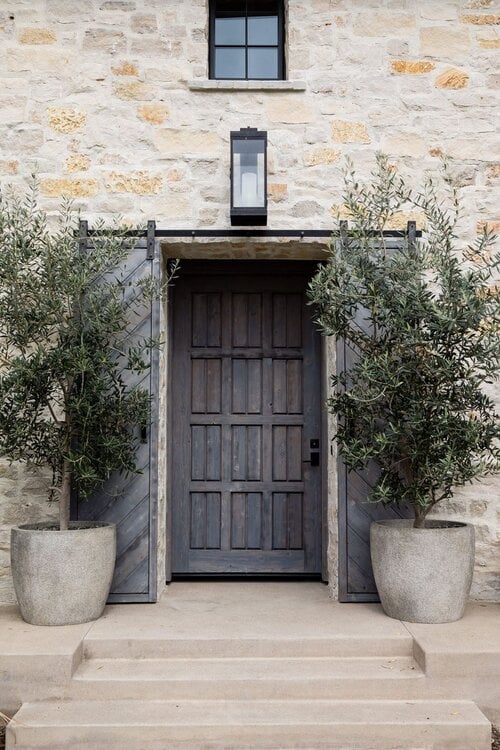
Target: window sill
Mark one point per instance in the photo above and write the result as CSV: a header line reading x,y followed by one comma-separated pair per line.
x,y
235,85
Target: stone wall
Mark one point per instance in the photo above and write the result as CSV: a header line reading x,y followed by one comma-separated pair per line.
x,y
108,102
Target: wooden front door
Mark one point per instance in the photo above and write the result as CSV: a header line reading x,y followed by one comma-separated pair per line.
x,y
246,497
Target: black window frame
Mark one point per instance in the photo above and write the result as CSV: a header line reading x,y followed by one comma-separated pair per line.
x,y
280,46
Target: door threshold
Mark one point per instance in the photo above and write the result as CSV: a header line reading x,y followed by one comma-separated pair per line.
x,y
246,577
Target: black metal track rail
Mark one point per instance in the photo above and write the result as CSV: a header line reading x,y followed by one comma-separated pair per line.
x,y
410,230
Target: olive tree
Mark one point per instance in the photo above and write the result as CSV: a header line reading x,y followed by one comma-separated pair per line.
x,y
65,320
423,323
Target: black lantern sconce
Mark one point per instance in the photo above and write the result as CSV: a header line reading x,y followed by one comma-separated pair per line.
x,y
248,177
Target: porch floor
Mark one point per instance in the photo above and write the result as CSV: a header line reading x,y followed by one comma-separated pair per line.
x,y
242,621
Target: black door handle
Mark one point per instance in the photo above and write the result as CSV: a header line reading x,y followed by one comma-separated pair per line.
x,y
314,452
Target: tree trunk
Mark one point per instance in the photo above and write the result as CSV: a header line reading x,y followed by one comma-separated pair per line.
x,y
419,522
65,497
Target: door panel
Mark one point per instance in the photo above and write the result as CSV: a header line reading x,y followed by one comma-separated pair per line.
x,y
246,403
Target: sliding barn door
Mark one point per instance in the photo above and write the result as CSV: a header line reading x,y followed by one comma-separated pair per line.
x,y
356,582
130,501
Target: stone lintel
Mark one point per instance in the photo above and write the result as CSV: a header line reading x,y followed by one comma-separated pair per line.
x,y
236,248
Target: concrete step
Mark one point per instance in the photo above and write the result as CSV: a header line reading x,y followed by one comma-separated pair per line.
x,y
155,647
214,725
257,678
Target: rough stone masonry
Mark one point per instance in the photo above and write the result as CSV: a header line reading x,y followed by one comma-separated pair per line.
x,y
108,102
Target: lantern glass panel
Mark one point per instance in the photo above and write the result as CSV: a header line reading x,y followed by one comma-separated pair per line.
x,y
249,173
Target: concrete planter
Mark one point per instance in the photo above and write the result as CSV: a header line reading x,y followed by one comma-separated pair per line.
x,y
423,575
62,577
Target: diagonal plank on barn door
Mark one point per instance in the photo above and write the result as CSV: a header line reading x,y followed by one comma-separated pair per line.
x,y
356,582
129,501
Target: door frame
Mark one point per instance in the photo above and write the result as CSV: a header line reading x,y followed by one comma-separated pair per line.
x,y
239,267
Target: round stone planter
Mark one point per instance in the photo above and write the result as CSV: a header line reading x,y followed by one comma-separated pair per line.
x,y
62,577
423,575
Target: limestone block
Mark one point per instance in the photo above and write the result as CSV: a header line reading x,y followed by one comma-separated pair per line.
x,y
69,11
202,169
479,4
483,149
150,47
197,35
307,208
178,208
125,68
115,205
404,144
208,217
478,507
344,131
36,35
412,66
401,218
156,114
491,225
452,79
76,163
66,120
442,11
444,43
174,142
381,22
123,5
56,187
12,107
321,156
174,175
463,176
25,139
384,115
489,43
38,60
140,183
315,135
9,167
289,110
171,76
340,212
398,47
137,90
144,23
492,174
277,192
482,20
104,40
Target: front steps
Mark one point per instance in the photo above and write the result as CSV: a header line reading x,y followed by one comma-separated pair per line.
x,y
294,678
340,693
213,725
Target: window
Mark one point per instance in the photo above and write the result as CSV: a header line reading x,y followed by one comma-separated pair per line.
x,y
246,39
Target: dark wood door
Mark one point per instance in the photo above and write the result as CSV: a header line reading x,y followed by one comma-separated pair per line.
x,y
245,405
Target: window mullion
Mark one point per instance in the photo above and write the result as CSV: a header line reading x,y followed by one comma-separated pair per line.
x,y
246,40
